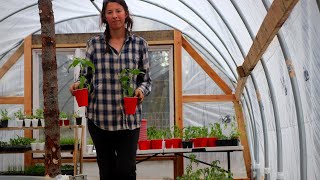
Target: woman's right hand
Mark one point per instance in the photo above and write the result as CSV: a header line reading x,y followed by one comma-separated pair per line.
x,y
73,87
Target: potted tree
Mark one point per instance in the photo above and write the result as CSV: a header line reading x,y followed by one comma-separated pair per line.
x,y
81,93
4,118
126,79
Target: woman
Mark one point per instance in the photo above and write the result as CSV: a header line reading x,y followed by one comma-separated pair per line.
x,y
114,134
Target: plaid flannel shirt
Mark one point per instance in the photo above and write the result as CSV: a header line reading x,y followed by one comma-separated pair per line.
x,y
105,107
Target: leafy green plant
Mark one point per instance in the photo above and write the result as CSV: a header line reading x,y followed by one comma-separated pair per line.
x,y
39,114
29,116
4,115
167,133
19,114
36,170
90,141
63,115
177,133
21,141
235,133
201,132
208,173
126,78
188,133
67,141
76,114
84,64
154,133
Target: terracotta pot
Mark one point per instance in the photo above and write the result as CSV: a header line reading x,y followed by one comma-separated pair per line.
x,y
130,105
81,96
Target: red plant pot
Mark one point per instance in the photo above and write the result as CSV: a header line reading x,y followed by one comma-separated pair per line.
x,y
212,142
81,96
156,144
200,142
66,122
130,105
60,122
144,145
177,143
168,143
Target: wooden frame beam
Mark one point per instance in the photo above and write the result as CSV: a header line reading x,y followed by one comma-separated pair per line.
x,y
28,89
178,106
208,98
11,100
243,137
11,61
276,16
205,66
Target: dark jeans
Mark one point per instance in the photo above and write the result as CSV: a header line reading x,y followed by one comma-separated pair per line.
x,y
116,152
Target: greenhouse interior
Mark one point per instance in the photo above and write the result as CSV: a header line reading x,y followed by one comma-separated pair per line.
x,y
239,74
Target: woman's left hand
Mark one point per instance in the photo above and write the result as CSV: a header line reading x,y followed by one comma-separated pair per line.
x,y
138,93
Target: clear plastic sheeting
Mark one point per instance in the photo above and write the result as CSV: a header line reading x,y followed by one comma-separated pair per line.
x,y
202,23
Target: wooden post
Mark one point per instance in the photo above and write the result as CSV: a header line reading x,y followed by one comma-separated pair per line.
x,y
27,90
243,137
178,106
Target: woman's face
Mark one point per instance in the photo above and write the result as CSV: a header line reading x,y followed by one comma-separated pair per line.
x,y
115,16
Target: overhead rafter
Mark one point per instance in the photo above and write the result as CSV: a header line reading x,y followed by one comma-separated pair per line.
x,y
276,16
205,66
11,61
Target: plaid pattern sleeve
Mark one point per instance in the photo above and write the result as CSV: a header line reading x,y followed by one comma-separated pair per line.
x,y
105,107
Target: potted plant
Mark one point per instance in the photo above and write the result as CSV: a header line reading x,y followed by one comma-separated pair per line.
x,y
4,118
126,79
67,169
63,119
19,118
155,135
177,137
90,146
201,134
27,120
214,134
222,139
234,135
81,93
78,118
40,116
187,135
167,138
67,143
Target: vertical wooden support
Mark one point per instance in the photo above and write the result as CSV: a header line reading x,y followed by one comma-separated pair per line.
x,y
243,137
178,108
28,89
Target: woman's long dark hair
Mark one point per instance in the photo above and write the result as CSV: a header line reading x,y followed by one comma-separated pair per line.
x,y
128,20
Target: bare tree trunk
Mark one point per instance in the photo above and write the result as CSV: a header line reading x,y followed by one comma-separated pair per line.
x,y
50,89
